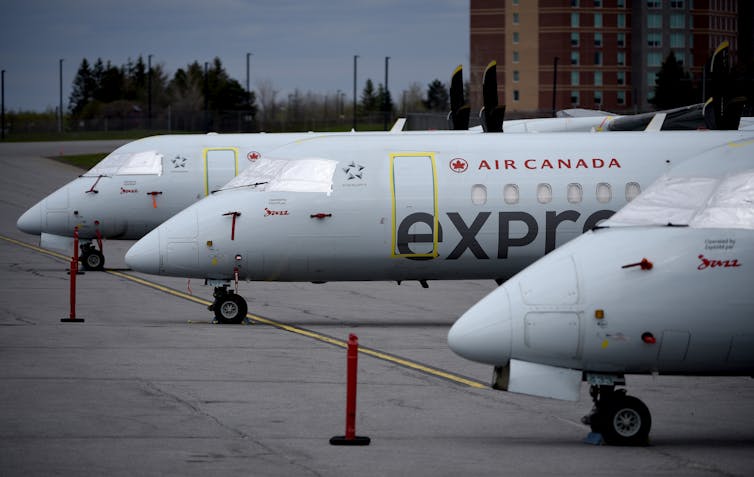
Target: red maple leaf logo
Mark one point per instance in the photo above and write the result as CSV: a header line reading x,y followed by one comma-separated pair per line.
x,y
458,165
253,155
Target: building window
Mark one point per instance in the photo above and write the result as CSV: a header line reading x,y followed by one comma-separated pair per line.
x,y
653,3
598,78
574,78
598,20
677,40
677,20
515,37
654,39
574,19
574,39
676,3
598,39
544,193
510,194
575,98
575,193
515,18
654,20
515,56
621,40
620,77
621,20
515,76
516,95
621,97
651,78
680,57
597,98
574,57
654,58
598,3
621,58
621,3
574,3
597,57
478,194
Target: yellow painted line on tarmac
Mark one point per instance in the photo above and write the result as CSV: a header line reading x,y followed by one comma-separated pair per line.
x,y
282,326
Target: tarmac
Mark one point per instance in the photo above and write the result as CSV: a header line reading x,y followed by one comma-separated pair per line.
x,y
147,385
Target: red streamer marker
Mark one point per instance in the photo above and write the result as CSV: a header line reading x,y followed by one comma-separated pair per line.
x,y
154,195
351,439
74,270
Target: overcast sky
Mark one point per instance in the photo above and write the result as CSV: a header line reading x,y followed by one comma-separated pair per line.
x,y
294,44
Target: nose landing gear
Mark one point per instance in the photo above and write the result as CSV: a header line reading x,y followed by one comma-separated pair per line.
x,y
229,307
91,258
621,419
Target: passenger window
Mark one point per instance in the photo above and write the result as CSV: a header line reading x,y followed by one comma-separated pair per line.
x,y
510,194
632,190
544,193
575,193
604,192
478,194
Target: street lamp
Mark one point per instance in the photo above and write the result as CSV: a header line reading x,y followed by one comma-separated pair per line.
x,y
386,103
355,57
149,92
60,110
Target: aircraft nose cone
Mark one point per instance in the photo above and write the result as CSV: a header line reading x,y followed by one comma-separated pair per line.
x,y
483,333
144,255
31,220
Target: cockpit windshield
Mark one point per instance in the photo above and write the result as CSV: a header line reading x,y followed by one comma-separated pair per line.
x,y
133,163
289,175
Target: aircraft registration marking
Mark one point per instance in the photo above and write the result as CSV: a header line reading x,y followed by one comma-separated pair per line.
x,y
406,363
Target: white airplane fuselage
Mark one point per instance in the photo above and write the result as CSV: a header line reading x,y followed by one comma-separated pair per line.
x,y
417,207
578,308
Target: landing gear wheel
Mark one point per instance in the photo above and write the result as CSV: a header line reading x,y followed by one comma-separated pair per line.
x,y
624,421
92,259
230,309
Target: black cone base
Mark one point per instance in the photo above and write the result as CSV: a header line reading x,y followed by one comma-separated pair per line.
x,y
355,441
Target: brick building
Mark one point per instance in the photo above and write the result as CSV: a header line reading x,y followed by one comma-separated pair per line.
x,y
606,52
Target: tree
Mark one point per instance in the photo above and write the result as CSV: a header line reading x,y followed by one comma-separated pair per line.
x,y
84,88
673,87
437,96
384,100
368,98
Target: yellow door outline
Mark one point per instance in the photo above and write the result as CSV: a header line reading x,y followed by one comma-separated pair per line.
x,y
206,167
436,213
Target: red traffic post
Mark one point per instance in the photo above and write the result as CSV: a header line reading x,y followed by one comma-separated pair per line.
x,y
351,439
73,272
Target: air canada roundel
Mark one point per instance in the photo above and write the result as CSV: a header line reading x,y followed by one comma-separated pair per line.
x,y
458,165
253,156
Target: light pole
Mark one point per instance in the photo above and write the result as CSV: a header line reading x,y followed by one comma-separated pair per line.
x,y
2,105
387,94
60,110
149,92
554,83
355,57
248,55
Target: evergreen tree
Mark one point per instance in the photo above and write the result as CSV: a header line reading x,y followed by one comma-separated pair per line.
x,y
368,98
673,87
437,97
84,87
384,100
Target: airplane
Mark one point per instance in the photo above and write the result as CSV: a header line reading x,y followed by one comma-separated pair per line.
x,y
407,207
143,183
663,287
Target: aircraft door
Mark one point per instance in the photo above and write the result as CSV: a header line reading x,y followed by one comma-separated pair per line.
x,y
220,166
414,205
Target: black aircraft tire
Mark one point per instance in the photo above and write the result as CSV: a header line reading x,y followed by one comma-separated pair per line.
x,y
625,421
93,260
230,309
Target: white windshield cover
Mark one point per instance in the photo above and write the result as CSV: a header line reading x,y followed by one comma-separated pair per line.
x,y
287,175
698,202
134,163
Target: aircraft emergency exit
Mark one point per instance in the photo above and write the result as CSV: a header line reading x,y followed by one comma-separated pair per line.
x,y
407,207
662,287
